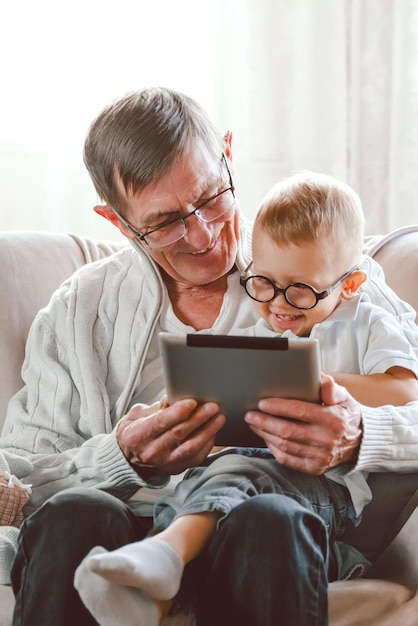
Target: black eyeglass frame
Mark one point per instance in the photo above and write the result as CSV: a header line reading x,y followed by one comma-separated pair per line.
x,y
319,295
195,211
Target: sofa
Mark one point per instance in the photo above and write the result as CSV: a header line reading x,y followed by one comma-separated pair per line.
x,y
33,264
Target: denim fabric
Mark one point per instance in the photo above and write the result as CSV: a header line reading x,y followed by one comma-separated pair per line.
x,y
271,552
272,549
267,566
53,542
239,474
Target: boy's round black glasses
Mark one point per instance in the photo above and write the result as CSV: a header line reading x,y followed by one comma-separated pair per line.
x,y
299,295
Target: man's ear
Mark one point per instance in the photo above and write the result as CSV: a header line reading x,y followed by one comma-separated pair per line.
x,y
352,284
228,145
105,211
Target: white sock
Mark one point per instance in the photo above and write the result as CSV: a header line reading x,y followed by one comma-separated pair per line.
x,y
151,565
8,546
112,604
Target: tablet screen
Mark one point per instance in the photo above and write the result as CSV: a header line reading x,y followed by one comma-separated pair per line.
x,y
236,372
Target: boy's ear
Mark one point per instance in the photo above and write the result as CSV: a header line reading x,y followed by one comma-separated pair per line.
x,y
352,284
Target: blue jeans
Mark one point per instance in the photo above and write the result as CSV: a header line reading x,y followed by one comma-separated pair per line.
x,y
268,565
241,473
52,543
239,579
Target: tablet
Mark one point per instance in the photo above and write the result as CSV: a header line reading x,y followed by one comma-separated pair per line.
x,y
236,372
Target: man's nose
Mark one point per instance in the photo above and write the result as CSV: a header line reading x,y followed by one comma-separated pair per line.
x,y
197,233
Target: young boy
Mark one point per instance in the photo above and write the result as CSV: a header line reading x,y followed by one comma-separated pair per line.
x,y
305,280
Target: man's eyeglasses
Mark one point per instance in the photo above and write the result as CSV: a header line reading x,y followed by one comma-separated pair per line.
x,y
298,295
211,209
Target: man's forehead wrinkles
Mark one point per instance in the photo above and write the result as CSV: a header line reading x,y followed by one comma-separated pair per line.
x,y
175,199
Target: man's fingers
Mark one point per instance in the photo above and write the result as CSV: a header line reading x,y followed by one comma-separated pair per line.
x,y
172,437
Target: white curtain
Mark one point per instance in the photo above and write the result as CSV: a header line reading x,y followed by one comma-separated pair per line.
x,y
329,85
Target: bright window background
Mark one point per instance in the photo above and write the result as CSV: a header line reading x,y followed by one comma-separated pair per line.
x,y
65,61
330,85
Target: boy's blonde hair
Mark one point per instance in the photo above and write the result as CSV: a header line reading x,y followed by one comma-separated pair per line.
x,y
309,206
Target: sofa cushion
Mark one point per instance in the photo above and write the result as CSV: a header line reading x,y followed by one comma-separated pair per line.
x,y
33,264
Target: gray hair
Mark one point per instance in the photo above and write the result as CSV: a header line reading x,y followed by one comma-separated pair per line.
x,y
137,139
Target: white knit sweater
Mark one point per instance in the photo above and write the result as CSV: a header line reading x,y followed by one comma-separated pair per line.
x,y
84,358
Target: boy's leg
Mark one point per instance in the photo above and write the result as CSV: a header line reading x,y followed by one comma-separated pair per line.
x,y
155,565
53,542
232,479
270,559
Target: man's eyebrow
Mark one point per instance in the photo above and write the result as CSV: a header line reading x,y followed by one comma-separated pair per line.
x,y
160,216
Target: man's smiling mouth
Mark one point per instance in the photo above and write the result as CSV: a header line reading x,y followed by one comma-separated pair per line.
x,y
205,249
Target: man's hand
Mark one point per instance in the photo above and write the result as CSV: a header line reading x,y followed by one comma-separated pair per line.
x,y
308,437
169,439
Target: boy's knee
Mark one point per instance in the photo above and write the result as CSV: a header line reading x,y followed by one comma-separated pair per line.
x,y
277,516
